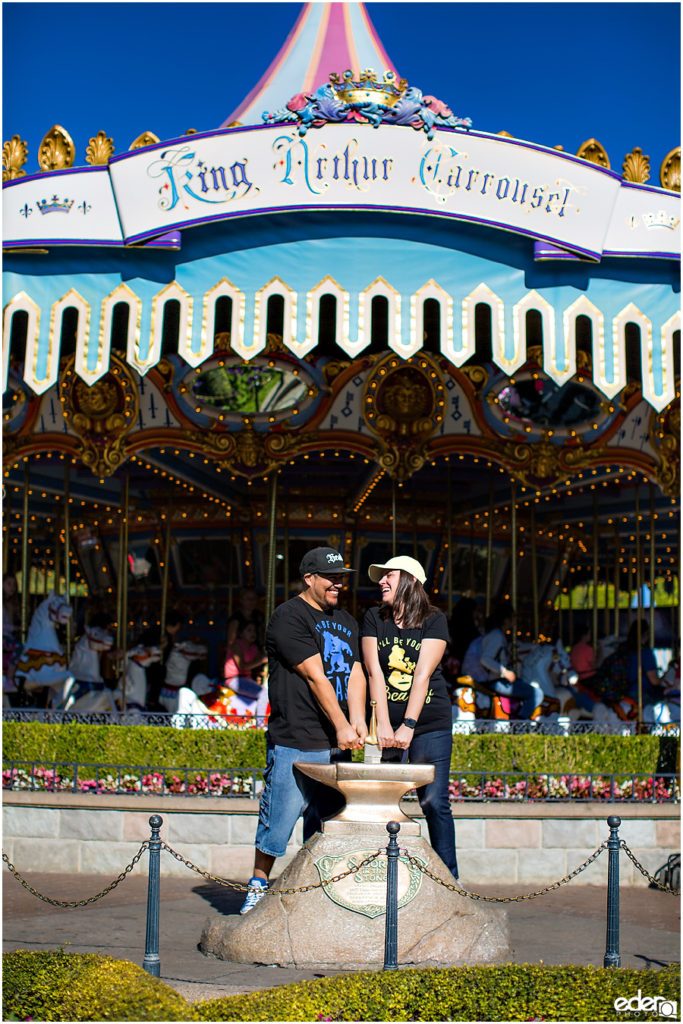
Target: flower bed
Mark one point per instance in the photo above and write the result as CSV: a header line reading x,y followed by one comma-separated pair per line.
x,y
567,787
464,787
156,782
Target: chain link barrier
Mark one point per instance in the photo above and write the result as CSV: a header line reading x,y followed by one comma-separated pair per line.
x,y
643,870
505,899
71,904
239,887
413,861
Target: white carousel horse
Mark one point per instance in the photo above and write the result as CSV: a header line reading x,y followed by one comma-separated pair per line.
x,y
138,659
182,655
42,662
86,690
548,667
243,700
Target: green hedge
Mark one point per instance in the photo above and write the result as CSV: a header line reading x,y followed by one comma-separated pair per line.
x,y
503,993
211,748
58,986
54,985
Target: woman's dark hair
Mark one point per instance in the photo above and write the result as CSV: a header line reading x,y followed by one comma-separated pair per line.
x,y
632,636
410,603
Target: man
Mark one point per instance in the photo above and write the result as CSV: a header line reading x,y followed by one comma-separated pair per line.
x,y
317,707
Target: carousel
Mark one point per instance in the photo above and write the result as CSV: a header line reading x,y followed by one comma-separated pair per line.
x,y
347,315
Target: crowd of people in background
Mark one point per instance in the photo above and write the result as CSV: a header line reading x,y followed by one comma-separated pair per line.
x,y
477,648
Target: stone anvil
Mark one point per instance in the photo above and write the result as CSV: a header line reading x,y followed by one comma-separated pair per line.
x,y
341,924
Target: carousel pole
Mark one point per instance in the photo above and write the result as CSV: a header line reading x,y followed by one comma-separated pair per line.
x,y
164,576
617,579
471,580
285,560
489,550
415,551
58,552
594,625
449,539
639,602
124,586
67,551
7,504
393,517
652,564
513,563
24,558
534,576
270,584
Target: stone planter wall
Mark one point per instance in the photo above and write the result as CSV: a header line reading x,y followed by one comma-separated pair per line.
x,y
509,843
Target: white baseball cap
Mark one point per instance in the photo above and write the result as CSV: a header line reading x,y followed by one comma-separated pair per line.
x,y
410,565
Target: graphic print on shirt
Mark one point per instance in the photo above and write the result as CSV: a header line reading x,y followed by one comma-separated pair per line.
x,y
337,655
399,667
401,677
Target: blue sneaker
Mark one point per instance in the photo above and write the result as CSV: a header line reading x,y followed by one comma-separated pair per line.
x,y
256,891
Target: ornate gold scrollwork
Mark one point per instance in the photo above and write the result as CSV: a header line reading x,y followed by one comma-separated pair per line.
x,y
403,404
14,156
332,369
146,139
477,376
636,166
56,152
594,152
670,171
665,433
99,149
100,414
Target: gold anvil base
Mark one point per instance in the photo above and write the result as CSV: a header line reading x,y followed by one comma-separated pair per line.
x,y
372,793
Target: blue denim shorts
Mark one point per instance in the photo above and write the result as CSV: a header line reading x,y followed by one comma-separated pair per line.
x,y
286,795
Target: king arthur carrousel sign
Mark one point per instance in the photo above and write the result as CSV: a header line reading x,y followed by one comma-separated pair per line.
x,y
470,176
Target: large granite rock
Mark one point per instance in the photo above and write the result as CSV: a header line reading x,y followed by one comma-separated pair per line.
x,y
342,926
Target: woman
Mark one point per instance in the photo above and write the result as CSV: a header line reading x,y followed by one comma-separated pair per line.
x,y
403,643
243,657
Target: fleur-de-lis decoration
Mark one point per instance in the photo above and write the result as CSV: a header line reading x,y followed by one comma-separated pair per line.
x,y
636,166
99,149
14,154
146,139
57,150
670,171
594,152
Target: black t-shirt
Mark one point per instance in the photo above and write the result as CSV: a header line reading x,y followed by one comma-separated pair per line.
x,y
298,631
398,651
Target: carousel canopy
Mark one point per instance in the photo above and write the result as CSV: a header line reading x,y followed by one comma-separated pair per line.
x,y
342,187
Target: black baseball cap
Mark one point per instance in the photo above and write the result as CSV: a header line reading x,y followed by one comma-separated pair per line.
x,y
323,561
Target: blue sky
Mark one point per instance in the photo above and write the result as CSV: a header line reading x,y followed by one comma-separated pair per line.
x,y
553,73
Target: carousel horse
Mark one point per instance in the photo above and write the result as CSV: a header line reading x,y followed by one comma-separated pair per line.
x,y
548,666
181,657
138,659
243,700
228,708
42,663
86,690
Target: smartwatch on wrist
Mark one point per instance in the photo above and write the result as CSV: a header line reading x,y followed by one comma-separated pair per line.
x,y
410,722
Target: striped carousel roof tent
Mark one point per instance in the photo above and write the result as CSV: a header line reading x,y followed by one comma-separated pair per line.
x,y
327,37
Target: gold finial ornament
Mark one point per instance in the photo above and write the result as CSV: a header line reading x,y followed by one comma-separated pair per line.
x,y
372,731
146,139
636,166
14,155
100,148
56,151
505,134
670,171
594,152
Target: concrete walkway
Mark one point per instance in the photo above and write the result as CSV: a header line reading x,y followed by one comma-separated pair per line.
x,y
561,927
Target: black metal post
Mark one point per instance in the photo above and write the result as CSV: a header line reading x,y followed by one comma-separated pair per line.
x,y
151,961
391,921
612,957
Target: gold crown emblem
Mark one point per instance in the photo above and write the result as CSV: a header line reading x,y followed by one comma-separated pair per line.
x,y
367,89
